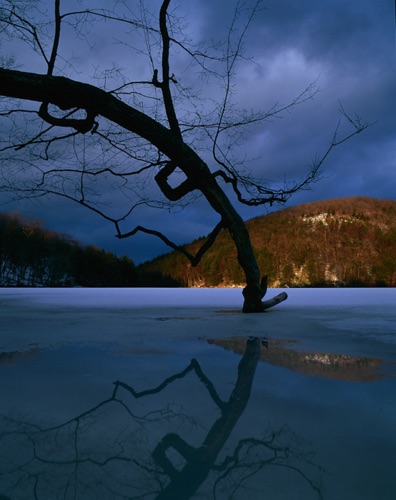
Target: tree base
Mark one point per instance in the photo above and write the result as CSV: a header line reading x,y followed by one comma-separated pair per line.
x,y
258,306
253,295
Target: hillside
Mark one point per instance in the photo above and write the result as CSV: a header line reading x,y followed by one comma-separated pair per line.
x,y
33,256
340,242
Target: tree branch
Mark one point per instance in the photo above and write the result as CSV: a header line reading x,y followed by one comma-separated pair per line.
x,y
164,85
268,195
194,259
83,125
173,194
55,45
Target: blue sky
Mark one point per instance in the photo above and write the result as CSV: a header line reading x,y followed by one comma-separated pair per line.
x,y
346,47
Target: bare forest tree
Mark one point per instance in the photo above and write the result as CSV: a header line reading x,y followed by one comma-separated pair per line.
x,y
133,133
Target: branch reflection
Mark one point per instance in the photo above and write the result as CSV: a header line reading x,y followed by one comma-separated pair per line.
x,y
157,450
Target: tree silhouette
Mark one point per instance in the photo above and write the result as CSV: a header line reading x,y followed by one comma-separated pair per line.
x,y
69,460
126,132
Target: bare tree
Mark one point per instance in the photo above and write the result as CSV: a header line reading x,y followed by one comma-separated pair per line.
x,y
125,132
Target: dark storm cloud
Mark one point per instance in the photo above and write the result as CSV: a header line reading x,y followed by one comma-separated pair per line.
x,y
346,47
350,46
341,32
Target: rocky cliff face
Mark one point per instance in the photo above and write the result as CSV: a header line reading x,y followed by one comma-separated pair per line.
x,y
341,242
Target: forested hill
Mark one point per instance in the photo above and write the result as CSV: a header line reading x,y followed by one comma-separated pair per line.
x,y
33,256
341,242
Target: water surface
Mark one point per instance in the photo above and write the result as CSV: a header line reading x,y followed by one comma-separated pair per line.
x,y
174,394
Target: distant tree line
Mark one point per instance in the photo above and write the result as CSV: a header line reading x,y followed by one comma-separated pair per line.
x,y
36,257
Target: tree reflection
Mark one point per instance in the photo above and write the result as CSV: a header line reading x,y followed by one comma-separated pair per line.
x,y
114,450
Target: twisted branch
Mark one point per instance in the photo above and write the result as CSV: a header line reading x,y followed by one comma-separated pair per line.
x,y
194,259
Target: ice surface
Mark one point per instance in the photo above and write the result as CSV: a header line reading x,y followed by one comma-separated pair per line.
x,y
331,317
323,392
196,297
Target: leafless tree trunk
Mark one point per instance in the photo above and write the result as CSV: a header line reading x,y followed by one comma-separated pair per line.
x,y
80,109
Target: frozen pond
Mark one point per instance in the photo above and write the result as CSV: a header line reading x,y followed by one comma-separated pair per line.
x,y
174,393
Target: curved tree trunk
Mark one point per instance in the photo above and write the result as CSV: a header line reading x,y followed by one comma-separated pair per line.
x,y
68,94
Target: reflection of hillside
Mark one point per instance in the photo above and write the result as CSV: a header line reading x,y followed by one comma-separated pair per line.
x,y
334,366
10,358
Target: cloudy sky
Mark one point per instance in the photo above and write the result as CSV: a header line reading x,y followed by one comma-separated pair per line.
x,y
346,46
